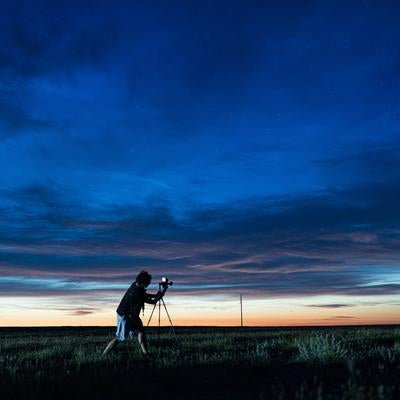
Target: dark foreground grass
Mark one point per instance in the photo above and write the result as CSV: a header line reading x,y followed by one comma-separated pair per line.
x,y
220,363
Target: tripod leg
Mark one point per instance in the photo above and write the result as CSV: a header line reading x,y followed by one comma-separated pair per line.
x,y
170,321
151,314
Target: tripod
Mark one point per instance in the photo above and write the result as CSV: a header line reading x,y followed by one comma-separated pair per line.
x,y
159,316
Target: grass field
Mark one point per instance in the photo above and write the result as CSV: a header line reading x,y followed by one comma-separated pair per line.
x,y
210,363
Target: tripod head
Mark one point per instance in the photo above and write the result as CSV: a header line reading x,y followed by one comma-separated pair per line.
x,y
165,283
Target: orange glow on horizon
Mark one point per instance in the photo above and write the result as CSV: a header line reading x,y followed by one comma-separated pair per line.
x,y
186,311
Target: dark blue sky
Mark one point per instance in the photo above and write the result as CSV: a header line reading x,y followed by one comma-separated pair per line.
x,y
219,142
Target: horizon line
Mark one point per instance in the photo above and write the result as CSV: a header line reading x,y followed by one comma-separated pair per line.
x,y
204,326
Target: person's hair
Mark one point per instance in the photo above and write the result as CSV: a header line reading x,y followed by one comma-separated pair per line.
x,y
143,278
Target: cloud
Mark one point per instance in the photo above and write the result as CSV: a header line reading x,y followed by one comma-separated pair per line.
x,y
330,242
329,305
46,37
47,41
251,151
16,117
52,305
85,311
375,161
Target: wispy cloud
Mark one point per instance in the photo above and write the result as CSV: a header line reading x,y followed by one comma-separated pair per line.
x,y
304,245
329,305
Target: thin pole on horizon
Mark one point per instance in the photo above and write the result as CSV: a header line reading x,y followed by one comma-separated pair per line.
x,y
241,311
159,318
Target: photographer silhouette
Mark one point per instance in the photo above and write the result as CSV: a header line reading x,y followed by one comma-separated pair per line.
x,y
128,311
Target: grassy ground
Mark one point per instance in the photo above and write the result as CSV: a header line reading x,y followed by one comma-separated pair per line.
x,y
222,363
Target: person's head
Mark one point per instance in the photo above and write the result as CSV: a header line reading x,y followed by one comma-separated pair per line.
x,y
143,279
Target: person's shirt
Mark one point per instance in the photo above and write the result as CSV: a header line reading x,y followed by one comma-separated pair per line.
x,y
134,299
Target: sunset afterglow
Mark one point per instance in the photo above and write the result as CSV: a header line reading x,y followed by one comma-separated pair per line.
x,y
235,149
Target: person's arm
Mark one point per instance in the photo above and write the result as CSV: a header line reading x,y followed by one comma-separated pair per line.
x,y
153,298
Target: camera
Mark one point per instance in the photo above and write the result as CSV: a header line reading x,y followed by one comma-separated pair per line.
x,y
165,282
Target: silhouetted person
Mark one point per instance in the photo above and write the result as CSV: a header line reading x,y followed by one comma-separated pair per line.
x,y
128,320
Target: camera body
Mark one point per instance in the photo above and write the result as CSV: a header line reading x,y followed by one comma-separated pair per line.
x,y
165,282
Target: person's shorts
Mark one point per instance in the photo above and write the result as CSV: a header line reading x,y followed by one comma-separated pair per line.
x,y
126,327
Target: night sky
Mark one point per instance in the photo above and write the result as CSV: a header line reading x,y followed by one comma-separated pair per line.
x,y
237,147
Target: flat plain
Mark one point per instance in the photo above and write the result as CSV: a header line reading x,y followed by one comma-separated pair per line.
x,y
330,363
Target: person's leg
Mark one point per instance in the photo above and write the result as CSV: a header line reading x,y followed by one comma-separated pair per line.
x,y
113,343
122,328
143,343
138,326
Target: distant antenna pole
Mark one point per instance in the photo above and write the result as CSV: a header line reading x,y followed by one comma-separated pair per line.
x,y
241,311
159,318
